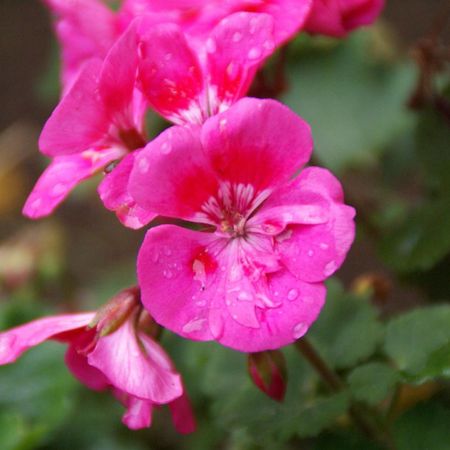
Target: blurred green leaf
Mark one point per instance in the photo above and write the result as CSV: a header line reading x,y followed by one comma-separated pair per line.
x,y
372,382
347,331
354,103
418,341
423,428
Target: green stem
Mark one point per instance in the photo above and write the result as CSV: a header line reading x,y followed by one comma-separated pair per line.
x,y
361,416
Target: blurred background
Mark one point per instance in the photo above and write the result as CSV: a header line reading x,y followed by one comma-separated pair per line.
x,y
374,127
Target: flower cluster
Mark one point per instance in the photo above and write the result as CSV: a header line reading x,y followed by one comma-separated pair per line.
x,y
252,234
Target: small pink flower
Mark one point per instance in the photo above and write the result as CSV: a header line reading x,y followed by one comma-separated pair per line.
x,y
197,18
110,349
86,29
338,17
186,83
253,277
98,121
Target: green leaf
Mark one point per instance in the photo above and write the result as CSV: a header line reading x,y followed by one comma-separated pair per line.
x,y
372,382
347,330
423,428
354,102
418,341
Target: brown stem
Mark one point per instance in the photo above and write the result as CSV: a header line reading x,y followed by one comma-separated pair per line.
x,y
361,416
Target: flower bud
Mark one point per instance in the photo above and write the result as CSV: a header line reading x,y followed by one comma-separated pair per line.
x,y
268,371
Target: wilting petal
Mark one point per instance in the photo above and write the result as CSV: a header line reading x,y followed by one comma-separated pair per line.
x,y
236,48
17,340
86,29
137,367
113,191
171,175
138,414
80,119
182,414
61,176
257,142
170,75
314,252
337,17
78,365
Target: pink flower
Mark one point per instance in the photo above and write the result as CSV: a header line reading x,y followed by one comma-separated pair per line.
x,y
187,83
251,274
86,29
111,349
98,121
198,17
338,17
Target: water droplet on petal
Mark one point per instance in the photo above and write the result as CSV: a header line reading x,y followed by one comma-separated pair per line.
x,y
299,330
330,268
58,189
167,274
36,203
254,53
292,294
323,245
201,303
237,36
166,148
155,256
211,45
193,325
310,253
143,165
244,296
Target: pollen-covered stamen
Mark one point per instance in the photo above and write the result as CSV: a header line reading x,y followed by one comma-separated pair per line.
x,y
230,209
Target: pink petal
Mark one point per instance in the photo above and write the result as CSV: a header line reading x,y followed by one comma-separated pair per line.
x,y
182,414
80,120
86,29
61,176
137,367
113,191
170,75
171,175
314,252
236,48
138,414
165,270
248,308
118,74
78,365
17,340
257,142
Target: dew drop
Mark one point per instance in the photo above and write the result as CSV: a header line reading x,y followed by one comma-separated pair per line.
x,y
143,165
36,204
211,46
58,189
244,296
167,274
193,325
201,303
299,330
323,246
166,148
330,268
155,256
310,253
292,294
254,53
237,36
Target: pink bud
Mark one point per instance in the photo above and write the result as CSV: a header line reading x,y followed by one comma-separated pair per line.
x,y
268,372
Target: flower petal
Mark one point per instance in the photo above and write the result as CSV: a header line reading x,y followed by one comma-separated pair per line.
x,y
113,191
314,252
61,176
171,175
137,367
182,415
235,50
80,119
17,340
257,142
170,75
138,414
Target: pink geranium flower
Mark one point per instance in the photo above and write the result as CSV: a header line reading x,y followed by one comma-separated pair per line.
x,y
187,82
111,349
197,18
98,121
338,17
85,29
252,276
